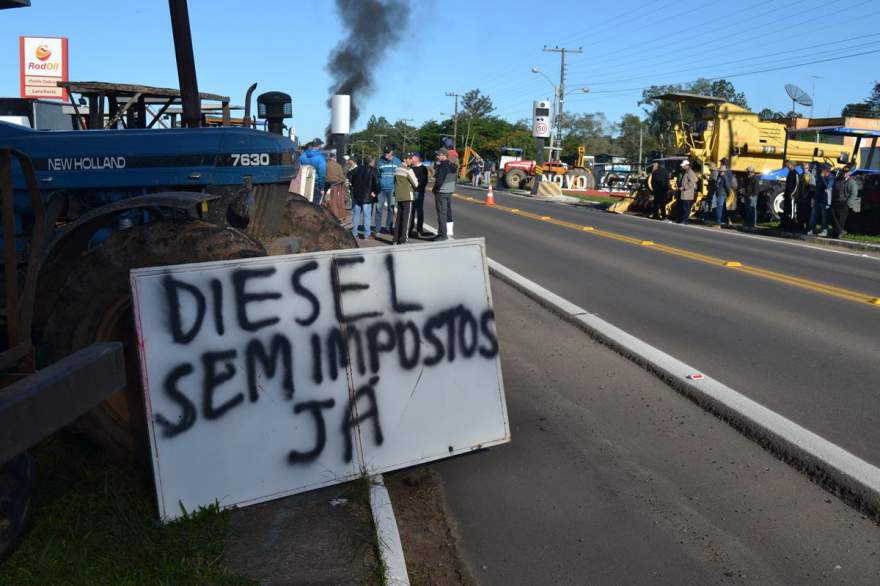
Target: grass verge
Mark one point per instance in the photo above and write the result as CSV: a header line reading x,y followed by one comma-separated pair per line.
x,y
360,493
95,522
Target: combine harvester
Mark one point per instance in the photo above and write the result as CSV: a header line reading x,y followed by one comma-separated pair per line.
x,y
726,131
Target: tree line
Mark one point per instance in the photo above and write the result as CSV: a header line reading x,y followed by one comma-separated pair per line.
x,y
479,127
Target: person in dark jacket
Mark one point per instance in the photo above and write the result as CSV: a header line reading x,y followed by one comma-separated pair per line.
x,y
723,186
844,197
788,196
660,189
804,198
821,200
417,226
364,188
444,185
751,197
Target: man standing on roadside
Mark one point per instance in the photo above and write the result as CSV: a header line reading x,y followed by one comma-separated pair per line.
x,y
846,198
687,188
723,185
364,187
821,200
405,183
444,185
660,189
386,167
417,226
751,197
791,188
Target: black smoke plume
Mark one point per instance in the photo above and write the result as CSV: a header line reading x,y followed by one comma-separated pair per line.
x,y
373,27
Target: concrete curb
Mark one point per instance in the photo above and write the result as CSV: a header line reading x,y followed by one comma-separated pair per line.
x,y
390,546
852,479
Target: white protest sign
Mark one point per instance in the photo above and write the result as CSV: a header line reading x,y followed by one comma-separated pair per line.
x,y
270,376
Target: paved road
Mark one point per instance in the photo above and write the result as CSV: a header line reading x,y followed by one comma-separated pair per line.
x,y
613,478
794,343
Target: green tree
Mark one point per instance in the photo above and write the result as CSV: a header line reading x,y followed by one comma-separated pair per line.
x,y
476,104
869,108
591,130
631,130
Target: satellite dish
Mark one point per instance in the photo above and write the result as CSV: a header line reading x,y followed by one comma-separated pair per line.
x,y
798,95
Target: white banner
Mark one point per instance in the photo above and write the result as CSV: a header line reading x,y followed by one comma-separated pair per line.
x,y
270,376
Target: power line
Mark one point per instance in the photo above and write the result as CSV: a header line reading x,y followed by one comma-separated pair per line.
x,y
750,59
624,57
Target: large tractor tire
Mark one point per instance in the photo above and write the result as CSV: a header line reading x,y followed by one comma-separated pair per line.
x,y
304,228
285,223
516,179
95,305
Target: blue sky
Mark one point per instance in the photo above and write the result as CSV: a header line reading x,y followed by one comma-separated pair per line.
x,y
458,45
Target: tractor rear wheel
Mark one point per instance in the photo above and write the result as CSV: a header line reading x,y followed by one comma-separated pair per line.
x,y
95,305
515,178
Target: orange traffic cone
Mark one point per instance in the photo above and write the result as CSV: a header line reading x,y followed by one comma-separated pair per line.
x,y
490,197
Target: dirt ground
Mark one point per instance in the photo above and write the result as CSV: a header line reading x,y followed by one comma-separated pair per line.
x,y
430,542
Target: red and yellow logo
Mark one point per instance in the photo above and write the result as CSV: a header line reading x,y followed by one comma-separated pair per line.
x,y
43,52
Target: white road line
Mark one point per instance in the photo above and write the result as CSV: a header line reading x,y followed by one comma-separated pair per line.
x,y
390,546
775,240
845,474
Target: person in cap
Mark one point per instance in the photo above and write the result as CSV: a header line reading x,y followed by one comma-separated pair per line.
x,y
405,184
750,197
313,157
686,190
824,183
387,167
845,198
445,172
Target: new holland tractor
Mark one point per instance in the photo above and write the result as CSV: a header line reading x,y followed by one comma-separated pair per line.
x,y
81,208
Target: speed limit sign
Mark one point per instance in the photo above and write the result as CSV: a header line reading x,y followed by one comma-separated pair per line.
x,y
541,119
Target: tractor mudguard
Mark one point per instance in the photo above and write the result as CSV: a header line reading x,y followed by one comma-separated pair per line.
x,y
73,239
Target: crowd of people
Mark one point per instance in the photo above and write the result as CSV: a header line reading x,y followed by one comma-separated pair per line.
x,y
388,194
815,195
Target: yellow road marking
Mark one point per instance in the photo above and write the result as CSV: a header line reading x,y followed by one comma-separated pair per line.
x,y
735,265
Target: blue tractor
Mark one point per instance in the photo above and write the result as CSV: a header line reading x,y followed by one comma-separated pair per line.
x,y
81,208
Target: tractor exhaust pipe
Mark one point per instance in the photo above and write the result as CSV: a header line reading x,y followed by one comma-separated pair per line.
x,y
186,65
340,122
247,107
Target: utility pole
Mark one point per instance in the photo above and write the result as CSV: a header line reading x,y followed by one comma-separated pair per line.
x,y
560,90
380,137
454,119
640,143
813,94
404,133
